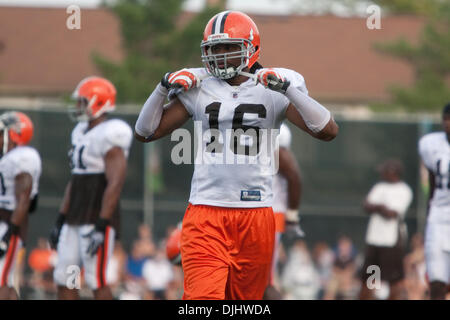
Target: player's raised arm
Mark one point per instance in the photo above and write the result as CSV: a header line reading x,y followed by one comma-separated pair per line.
x,y
156,120
327,133
303,111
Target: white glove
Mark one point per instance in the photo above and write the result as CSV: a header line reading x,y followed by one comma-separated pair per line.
x,y
293,224
96,237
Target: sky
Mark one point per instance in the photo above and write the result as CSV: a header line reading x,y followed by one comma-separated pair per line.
x,y
273,7
65,3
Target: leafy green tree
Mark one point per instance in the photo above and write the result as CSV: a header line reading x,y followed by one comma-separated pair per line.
x,y
430,57
154,43
417,7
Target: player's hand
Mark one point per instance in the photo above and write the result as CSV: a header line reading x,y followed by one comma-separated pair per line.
x,y
96,237
182,79
53,239
293,228
12,231
271,79
294,231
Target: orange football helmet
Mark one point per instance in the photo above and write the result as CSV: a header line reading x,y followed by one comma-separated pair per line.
x,y
230,27
173,246
16,126
94,96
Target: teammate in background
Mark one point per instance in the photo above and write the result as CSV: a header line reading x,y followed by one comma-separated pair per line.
x,y
20,169
286,201
228,229
173,244
387,203
434,149
89,213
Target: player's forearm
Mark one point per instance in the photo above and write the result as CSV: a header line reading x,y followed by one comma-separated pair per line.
x,y
150,115
19,214
110,201
317,118
115,171
23,185
294,192
64,207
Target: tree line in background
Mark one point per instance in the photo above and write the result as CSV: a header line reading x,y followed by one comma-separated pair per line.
x,y
156,41
430,57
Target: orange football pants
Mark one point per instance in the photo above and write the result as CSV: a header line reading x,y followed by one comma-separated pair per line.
x,y
226,252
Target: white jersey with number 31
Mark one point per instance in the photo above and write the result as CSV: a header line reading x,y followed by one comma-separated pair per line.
x,y
89,147
234,166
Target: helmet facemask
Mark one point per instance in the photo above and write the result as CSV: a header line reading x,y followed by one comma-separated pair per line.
x,y
8,121
79,112
82,111
212,61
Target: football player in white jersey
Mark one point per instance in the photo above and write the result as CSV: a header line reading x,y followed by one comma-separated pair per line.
x,y
434,149
228,229
286,202
85,229
20,169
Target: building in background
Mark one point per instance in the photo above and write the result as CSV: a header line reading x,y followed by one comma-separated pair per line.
x,y
40,57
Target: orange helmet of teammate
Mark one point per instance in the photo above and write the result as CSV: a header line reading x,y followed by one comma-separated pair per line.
x,y
17,127
94,96
230,27
173,247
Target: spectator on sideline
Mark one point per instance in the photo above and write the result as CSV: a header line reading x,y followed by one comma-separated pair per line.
x,y
387,203
323,258
343,284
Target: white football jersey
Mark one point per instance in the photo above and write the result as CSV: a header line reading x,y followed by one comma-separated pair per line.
x,y
90,147
434,150
21,159
280,185
233,168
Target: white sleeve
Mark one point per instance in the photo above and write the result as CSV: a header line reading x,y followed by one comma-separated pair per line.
x,y
313,113
28,161
296,80
117,134
425,154
151,113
